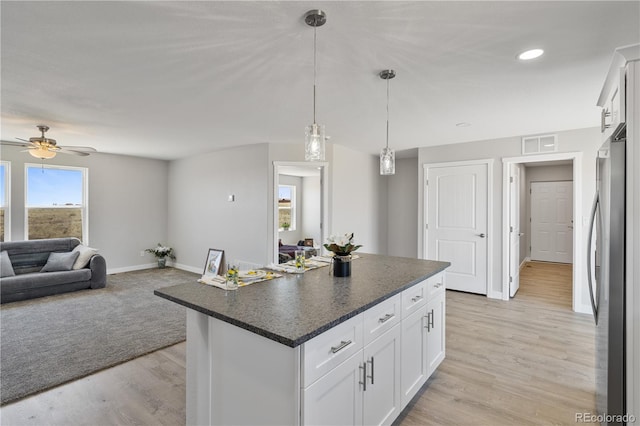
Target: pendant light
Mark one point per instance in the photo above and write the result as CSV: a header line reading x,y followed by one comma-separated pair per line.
x,y
387,156
314,140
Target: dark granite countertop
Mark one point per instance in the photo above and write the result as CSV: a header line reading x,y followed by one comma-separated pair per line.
x,y
298,307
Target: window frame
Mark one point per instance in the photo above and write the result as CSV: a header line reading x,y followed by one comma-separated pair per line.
x,y
292,208
7,201
85,197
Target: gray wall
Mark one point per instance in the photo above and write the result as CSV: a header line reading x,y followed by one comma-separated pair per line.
x,y
586,141
359,199
311,209
541,174
402,193
127,203
200,215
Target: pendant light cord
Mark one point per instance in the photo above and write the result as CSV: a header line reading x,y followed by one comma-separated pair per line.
x,y
387,113
314,73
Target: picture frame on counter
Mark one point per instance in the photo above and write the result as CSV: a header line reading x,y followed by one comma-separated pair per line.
x,y
215,263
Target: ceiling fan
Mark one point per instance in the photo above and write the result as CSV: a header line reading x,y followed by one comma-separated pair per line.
x,y
45,148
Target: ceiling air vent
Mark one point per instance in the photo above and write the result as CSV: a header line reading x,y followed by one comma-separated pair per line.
x,y
539,144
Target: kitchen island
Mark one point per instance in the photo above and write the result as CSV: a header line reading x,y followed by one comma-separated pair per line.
x,y
312,348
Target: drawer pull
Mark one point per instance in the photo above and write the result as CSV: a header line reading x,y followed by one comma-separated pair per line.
x,y
341,346
415,299
438,285
386,318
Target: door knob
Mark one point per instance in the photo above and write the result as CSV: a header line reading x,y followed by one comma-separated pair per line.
x,y
481,235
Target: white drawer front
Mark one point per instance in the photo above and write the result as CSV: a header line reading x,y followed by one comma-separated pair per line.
x,y
414,298
435,285
381,317
327,350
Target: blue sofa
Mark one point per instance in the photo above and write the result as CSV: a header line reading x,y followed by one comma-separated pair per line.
x,y
28,258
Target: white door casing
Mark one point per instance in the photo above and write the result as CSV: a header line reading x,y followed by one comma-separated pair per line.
x,y
580,292
457,231
552,221
514,230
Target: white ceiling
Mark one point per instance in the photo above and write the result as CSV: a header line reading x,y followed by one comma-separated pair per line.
x,y
173,79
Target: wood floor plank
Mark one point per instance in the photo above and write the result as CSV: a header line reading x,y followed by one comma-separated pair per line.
x,y
529,361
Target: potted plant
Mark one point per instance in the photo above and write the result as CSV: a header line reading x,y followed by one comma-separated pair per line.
x,y
161,253
286,226
342,246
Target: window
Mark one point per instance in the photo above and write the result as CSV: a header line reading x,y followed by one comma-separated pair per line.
x,y
56,202
287,207
5,211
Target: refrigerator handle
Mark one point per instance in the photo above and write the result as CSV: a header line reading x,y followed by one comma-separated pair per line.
x,y
594,208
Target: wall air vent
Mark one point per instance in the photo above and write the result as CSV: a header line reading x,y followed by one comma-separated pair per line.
x,y
539,144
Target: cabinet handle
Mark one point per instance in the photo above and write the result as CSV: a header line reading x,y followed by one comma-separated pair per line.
x,y
415,299
386,318
428,321
438,285
364,376
431,316
343,344
603,122
372,370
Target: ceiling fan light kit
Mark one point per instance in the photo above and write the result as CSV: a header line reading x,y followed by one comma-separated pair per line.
x,y
387,155
314,144
44,148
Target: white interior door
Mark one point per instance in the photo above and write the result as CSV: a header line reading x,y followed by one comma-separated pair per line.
x,y
457,224
552,221
514,229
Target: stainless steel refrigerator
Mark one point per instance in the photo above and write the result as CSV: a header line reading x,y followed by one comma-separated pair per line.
x,y
606,264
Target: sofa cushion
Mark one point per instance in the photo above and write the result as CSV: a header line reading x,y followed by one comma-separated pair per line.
x,y
31,255
86,253
6,269
60,261
20,283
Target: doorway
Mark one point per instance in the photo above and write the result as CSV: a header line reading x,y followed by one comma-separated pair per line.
x,y
509,256
300,205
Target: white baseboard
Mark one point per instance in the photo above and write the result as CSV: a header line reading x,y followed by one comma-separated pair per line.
x,y
494,295
524,261
151,266
188,268
581,308
131,268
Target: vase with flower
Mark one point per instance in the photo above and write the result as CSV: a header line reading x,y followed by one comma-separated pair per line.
x,y
342,246
161,253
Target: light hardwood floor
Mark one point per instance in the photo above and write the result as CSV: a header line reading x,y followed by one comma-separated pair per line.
x,y
526,361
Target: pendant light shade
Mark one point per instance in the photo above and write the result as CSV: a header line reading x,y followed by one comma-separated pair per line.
x,y
387,155
314,135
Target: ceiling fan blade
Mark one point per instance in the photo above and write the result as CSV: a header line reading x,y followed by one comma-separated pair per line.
x,y
11,143
20,139
79,148
71,151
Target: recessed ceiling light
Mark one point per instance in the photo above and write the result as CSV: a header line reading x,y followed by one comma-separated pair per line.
x,y
463,124
530,54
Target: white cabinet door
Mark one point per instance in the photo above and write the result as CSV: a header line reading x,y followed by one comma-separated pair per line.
x,y
382,402
413,355
336,398
435,332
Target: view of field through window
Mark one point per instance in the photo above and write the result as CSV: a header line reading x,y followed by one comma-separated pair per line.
x,y
285,201
55,202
